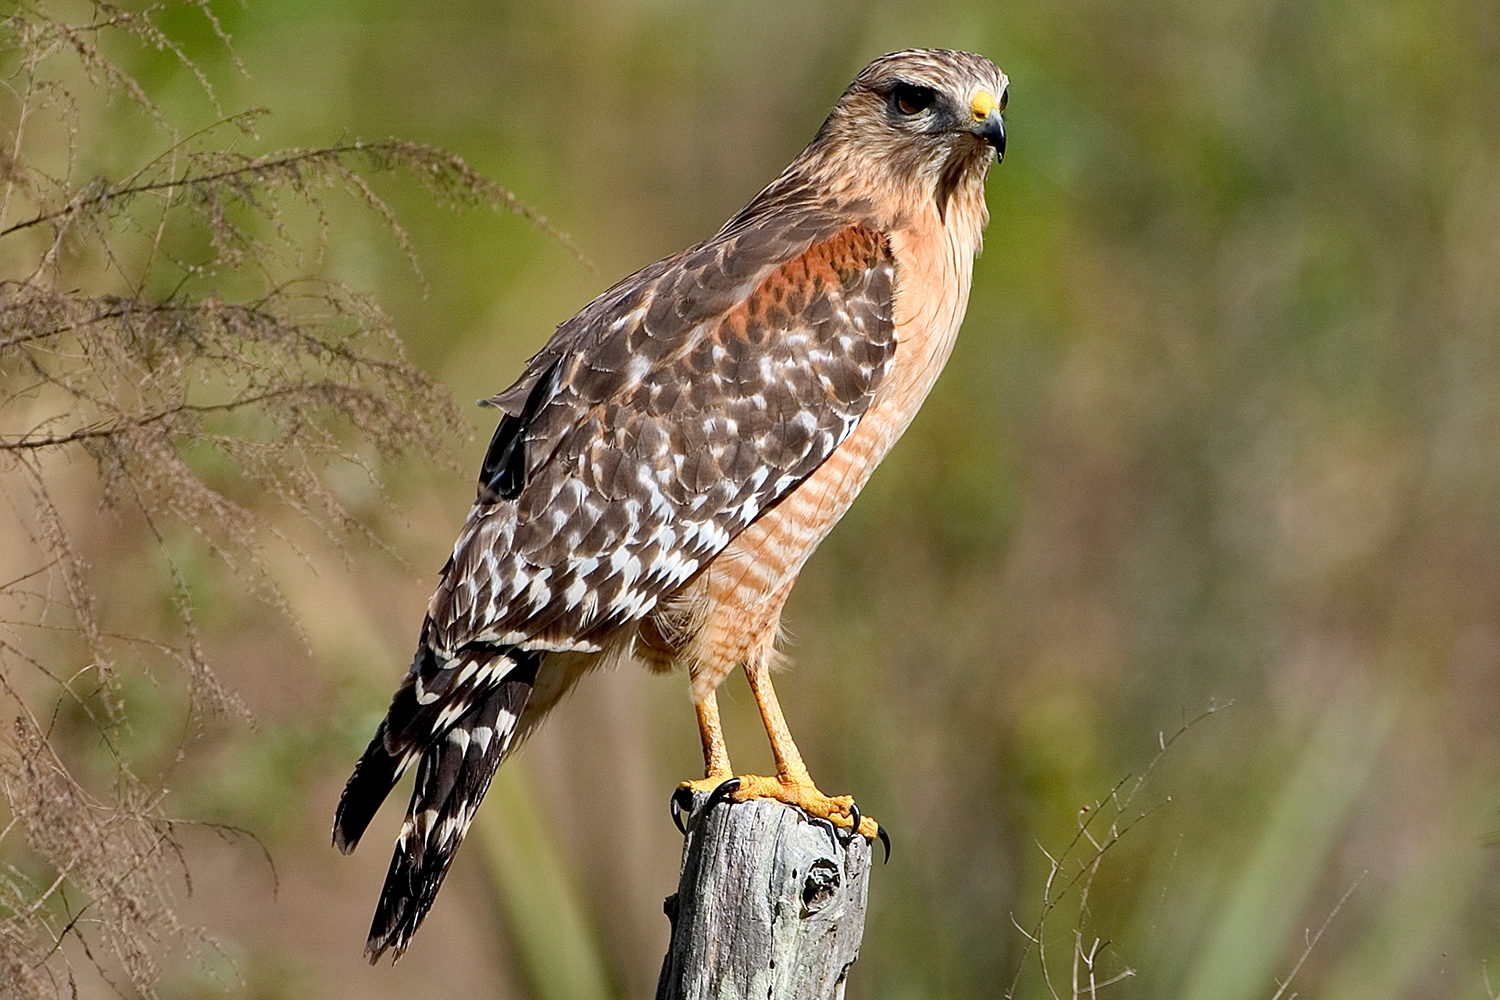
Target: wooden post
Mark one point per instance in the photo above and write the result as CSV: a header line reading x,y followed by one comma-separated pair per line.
x,y
770,906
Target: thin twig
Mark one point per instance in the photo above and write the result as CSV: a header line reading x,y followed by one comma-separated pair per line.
x,y
1313,942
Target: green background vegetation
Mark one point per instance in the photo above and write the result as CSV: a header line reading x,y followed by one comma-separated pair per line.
x,y
1223,426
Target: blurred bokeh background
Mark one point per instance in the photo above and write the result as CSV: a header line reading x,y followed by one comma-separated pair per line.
x,y
1222,430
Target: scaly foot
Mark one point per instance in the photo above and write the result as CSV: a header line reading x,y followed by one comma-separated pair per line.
x,y
838,810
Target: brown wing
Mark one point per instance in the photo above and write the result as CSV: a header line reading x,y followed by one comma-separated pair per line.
x,y
652,429
658,424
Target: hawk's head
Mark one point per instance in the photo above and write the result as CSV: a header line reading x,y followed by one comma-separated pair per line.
x,y
925,103
936,100
924,117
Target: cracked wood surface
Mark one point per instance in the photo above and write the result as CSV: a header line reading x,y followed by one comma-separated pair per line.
x,y
770,905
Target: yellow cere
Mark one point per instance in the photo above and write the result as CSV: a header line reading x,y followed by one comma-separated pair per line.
x,y
984,103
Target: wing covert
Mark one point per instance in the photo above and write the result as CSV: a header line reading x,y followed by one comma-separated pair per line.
x,y
658,424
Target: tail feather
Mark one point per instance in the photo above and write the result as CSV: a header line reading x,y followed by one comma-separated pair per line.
x,y
428,702
455,771
408,727
374,776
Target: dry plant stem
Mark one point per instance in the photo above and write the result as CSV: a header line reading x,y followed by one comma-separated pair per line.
x,y
1056,888
1313,941
770,906
194,424
444,173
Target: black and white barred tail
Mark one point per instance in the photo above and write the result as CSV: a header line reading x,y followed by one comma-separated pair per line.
x,y
456,720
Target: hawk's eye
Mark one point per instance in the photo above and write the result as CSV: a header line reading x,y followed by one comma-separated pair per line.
x,y
1003,95
910,99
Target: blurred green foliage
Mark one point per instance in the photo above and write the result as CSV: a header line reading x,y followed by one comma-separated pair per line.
x,y
1223,425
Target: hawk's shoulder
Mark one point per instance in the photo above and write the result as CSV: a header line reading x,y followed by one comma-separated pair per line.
x,y
661,421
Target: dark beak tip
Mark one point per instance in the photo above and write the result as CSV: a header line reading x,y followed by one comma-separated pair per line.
x,y
993,132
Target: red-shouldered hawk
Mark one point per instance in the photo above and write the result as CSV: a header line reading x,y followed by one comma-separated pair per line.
x,y
673,455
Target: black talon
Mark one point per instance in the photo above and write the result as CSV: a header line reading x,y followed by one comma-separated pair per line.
x,y
682,804
853,820
884,839
721,794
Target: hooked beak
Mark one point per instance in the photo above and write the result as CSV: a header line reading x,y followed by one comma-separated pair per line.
x,y
988,124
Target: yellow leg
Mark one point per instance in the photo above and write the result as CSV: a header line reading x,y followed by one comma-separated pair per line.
x,y
792,784
789,766
715,754
716,767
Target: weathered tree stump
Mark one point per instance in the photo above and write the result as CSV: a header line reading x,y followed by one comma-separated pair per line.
x,y
770,906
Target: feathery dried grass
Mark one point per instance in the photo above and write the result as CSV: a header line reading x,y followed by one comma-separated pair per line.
x,y
137,374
